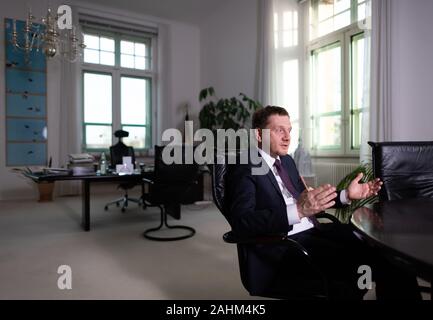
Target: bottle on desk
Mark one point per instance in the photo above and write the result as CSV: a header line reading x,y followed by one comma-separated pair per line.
x,y
103,164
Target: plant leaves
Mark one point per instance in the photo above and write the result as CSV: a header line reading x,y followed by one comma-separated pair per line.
x,y
225,113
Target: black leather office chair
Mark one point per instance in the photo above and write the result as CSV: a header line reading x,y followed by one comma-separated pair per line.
x,y
406,169
172,185
117,152
316,286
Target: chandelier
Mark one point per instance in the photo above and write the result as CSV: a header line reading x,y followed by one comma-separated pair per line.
x,y
46,36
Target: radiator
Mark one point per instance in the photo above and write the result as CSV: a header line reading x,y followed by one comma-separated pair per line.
x,y
332,173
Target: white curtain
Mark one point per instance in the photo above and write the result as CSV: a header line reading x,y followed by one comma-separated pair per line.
x,y
267,67
280,58
69,120
279,41
365,151
377,122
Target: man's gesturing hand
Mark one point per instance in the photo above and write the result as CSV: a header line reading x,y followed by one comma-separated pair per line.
x,y
357,191
315,201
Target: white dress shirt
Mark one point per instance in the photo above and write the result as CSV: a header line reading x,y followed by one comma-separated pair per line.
x,y
291,209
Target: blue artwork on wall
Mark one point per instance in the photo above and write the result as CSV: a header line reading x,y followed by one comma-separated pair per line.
x,y
26,112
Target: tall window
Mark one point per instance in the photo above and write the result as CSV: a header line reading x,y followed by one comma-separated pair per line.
x,y
336,51
118,85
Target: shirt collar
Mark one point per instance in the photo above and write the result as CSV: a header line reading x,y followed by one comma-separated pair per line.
x,y
268,158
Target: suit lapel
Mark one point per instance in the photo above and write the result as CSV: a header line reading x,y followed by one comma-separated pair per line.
x,y
270,176
274,182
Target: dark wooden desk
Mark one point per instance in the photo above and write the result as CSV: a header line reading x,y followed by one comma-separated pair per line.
x,y
86,180
403,229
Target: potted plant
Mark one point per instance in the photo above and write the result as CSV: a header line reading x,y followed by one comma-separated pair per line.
x,y
225,113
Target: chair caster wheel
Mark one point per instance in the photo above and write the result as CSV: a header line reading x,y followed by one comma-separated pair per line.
x,y
106,208
123,209
117,204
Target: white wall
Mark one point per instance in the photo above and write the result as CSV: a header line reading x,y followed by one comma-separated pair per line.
x,y
229,49
412,69
182,74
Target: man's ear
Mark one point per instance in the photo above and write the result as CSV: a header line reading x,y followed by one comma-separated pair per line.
x,y
258,133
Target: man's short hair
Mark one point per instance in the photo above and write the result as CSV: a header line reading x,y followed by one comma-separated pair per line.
x,y
261,116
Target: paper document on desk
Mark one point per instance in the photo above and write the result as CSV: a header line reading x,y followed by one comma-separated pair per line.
x,y
81,158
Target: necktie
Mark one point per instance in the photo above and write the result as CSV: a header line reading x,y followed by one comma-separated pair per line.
x,y
286,179
288,183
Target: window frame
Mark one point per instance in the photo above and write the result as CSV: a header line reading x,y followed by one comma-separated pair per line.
x,y
344,36
117,72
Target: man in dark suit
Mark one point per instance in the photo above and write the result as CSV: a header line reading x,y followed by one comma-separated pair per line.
x,y
278,202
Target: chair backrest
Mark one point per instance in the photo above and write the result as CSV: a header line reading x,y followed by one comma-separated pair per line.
x,y
406,169
177,180
219,170
175,172
120,150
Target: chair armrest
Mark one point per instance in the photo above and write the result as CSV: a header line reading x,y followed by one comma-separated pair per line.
x,y
324,215
230,237
145,180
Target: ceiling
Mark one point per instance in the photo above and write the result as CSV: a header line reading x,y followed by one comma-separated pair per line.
x,y
188,11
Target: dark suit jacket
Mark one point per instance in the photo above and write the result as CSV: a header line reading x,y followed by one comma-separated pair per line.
x,y
255,206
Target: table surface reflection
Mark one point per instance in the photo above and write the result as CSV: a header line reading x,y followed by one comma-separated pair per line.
x,y
402,227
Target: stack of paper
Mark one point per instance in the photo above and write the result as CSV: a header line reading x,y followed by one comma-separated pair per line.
x,y
81,158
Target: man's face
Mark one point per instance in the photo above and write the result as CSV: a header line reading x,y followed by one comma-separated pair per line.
x,y
280,128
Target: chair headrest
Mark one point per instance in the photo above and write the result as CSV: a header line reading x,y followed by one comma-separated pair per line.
x,y
121,134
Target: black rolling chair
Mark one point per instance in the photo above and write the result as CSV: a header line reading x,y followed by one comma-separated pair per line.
x,y
171,185
316,286
406,169
117,152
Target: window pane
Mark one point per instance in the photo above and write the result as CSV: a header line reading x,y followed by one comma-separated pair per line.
x,y
127,61
361,12
341,5
91,56
107,58
290,88
140,63
326,27
357,71
342,20
290,28
326,10
326,77
140,49
97,98
107,44
127,47
329,16
91,42
137,137
357,85
356,124
329,132
98,137
134,100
